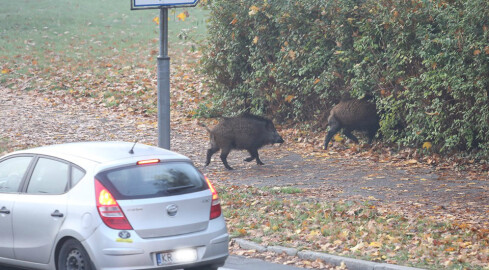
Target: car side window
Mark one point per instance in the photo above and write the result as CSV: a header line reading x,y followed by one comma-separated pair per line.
x,y
49,177
12,171
76,175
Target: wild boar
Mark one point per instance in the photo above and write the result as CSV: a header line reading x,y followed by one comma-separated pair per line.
x,y
244,132
352,114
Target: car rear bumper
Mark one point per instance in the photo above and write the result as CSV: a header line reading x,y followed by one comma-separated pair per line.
x,y
109,251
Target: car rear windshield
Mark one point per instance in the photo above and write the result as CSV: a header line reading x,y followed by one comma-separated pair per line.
x,y
155,180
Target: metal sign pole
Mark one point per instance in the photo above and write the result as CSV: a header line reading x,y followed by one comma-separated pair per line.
x,y
164,84
163,62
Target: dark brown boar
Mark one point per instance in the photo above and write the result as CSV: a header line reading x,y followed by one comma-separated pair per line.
x,y
352,114
245,132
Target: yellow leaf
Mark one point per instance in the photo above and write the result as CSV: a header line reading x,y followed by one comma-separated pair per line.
x,y
234,21
375,244
427,145
255,40
315,233
477,52
5,71
338,138
289,98
182,16
156,20
253,10
317,81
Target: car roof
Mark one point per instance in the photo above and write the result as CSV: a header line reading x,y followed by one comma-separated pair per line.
x,y
104,151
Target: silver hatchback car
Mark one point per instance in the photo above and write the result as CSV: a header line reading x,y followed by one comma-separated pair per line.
x,y
108,205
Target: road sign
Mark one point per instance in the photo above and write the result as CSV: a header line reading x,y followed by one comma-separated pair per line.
x,y
147,4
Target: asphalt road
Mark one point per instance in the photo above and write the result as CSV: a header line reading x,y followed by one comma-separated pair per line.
x,y
242,263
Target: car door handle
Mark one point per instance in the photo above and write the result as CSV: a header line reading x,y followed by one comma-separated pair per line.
x,y
57,213
4,210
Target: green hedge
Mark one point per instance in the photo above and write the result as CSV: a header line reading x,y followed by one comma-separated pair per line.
x,y
425,63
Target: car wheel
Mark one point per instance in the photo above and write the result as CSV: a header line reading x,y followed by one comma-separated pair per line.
x,y
72,256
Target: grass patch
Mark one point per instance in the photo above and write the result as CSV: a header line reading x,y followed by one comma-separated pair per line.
x,y
85,38
283,190
97,49
354,229
87,28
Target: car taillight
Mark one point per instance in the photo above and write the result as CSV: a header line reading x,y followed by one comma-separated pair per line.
x,y
216,202
109,209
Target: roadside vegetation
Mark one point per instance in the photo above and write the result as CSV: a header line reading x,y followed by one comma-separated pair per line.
x,y
424,63
102,53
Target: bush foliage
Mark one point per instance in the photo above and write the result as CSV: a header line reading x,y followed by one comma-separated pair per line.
x,y
424,62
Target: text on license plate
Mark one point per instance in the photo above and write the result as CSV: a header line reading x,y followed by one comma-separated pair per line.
x,y
177,256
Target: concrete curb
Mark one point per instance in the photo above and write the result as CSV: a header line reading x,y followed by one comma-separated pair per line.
x,y
352,264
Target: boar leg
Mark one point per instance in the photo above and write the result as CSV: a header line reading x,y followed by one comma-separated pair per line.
x,y
371,135
350,136
254,155
210,152
333,129
224,156
258,161
249,159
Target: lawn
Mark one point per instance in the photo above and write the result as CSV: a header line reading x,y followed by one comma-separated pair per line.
x,y
96,48
39,33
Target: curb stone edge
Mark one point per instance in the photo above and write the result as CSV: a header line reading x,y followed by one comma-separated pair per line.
x,y
352,264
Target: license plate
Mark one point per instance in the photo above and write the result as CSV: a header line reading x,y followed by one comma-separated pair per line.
x,y
176,256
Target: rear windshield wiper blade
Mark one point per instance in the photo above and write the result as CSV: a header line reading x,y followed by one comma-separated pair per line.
x,y
174,189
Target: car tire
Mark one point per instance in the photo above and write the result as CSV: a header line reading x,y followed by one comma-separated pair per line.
x,y
72,256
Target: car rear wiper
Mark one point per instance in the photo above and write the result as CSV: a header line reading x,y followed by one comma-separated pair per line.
x,y
174,189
